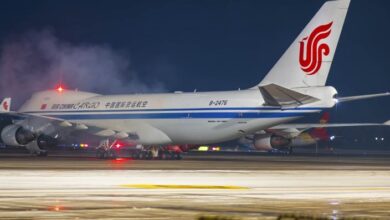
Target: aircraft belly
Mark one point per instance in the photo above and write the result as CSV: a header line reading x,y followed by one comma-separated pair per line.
x,y
202,131
144,133
186,131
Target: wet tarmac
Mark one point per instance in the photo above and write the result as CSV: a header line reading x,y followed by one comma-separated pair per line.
x,y
242,187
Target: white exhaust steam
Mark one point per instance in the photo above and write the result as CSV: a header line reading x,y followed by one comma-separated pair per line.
x,y
39,61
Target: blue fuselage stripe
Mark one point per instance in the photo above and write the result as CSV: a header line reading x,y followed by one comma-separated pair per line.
x,y
175,109
192,115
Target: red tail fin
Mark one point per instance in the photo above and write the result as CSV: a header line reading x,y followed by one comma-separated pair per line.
x,y
5,105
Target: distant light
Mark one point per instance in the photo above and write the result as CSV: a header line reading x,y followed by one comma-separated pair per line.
x,y
335,100
60,89
82,145
119,162
56,208
117,145
332,137
382,139
203,148
215,148
376,138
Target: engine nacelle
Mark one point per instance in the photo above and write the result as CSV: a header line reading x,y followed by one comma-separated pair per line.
x,y
45,142
268,142
16,135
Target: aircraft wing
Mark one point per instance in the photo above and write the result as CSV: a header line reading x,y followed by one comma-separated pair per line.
x,y
48,125
330,125
358,97
36,123
51,126
293,130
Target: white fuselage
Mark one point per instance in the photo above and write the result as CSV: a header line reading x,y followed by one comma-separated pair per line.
x,y
174,118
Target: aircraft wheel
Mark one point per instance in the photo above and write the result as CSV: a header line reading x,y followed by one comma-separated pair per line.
x,y
163,155
142,155
172,156
100,154
149,155
134,155
42,154
112,154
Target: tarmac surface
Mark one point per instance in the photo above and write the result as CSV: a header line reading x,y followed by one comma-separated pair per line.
x,y
232,186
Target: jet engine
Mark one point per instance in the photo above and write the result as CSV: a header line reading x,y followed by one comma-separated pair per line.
x,y
16,135
267,142
45,142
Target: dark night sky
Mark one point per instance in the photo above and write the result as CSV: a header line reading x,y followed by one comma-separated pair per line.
x,y
218,45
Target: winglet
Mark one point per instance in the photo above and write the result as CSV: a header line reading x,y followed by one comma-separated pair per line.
x,y
387,123
5,105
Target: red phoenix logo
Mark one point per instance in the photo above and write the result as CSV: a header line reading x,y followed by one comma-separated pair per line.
x,y
5,106
310,55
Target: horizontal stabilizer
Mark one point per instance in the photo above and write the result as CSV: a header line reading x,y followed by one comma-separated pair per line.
x,y
358,97
275,95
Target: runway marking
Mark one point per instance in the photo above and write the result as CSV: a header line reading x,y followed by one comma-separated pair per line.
x,y
353,188
168,186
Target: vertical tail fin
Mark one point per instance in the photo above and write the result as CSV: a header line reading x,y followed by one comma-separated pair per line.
x,y
308,59
5,105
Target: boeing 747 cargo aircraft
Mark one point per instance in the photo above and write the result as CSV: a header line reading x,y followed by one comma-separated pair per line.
x,y
294,87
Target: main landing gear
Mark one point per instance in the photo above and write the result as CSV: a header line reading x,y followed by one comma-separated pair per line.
x,y
105,150
160,155
35,150
290,150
